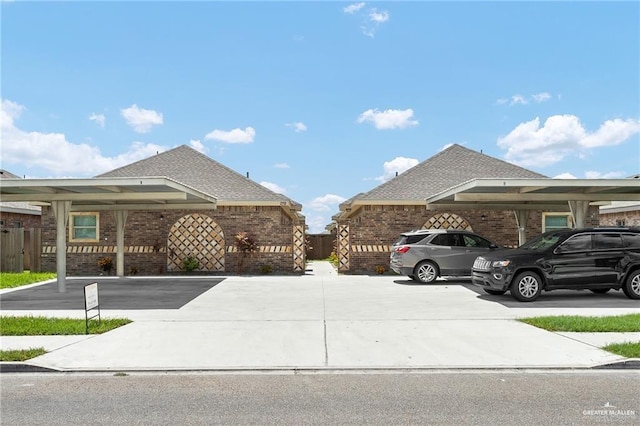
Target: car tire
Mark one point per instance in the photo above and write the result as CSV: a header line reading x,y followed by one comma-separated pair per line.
x,y
599,290
426,272
631,286
494,292
526,287
411,277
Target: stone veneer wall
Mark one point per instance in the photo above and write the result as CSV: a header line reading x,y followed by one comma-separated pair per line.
x,y
146,240
373,229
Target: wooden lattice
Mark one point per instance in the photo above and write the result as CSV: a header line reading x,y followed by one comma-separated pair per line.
x,y
198,236
447,221
298,248
343,247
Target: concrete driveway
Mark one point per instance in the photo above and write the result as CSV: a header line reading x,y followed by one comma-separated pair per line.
x,y
323,321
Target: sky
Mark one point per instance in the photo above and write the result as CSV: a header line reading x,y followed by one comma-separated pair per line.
x,y
320,101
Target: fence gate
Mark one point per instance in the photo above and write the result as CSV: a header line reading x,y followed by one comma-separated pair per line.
x,y
11,249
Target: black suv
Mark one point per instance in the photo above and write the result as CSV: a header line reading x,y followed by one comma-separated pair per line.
x,y
598,259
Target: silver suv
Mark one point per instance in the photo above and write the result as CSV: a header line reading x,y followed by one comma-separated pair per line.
x,y
426,254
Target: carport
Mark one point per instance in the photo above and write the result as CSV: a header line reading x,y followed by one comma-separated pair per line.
x,y
118,195
523,195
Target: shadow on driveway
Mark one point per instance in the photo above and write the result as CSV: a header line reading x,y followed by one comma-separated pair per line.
x,y
118,293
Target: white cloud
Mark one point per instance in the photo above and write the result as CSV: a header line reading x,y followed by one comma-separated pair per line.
x,y
352,8
325,203
565,175
502,101
233,136
273,187
397,165
98,118
518,99
141,119
55,154
378,17
541,97
297,126
389,119
198,146
600,175
281,166
560,136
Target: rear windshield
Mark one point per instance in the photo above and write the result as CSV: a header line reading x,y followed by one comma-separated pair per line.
x,y
410,239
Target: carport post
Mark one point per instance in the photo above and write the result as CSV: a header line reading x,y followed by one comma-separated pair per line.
x,y
522,216
121,220
61,211
579,211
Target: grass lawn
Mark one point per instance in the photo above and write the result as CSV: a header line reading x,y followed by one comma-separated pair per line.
x,y
11,279
21,355
620,323
44,326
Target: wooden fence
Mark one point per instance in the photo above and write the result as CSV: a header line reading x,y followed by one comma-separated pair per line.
x,y
20,249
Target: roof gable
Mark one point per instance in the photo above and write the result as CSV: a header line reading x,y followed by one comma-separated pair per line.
x,y
449,167
190,167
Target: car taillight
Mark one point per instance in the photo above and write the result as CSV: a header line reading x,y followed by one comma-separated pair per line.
x,y
402,249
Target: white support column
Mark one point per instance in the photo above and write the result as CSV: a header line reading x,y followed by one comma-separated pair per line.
x,y
121,220
579,211
61,212
522,216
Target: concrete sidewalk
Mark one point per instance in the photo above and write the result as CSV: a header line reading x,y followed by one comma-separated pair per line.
x,y
323,321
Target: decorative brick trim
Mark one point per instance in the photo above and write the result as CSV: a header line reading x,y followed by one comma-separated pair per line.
x,y
264,249
379,248
104,249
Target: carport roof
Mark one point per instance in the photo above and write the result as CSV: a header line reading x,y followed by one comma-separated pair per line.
x,y
143,193
534,194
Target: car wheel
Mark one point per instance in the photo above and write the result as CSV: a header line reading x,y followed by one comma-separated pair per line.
x,y
632,285
494,292
600,290
526,287
426,272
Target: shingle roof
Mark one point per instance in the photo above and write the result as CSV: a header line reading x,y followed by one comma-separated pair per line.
x,y
17,206
190,167
450,167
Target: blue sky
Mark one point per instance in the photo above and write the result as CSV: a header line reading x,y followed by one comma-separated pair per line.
x,y
320,100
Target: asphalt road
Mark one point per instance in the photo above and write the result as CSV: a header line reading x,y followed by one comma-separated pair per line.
x,y
461,398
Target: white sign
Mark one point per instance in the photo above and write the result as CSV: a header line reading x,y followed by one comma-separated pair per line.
x,y
91,296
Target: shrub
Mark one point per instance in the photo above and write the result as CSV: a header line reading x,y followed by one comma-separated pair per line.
x,y
380,270
266,269
106,264
190,263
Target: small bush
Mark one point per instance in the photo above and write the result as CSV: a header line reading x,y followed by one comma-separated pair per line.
x,y
380,270
190,263
266,269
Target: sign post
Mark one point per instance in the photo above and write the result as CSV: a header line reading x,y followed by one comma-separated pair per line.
x,y
91,304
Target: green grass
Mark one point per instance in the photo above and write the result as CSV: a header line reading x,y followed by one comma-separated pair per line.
x,y
43,326
628,350
620,323
11,279
22,354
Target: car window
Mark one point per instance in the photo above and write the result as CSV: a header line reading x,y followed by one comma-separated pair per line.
x,y
542,242
410,239
577,243
447,239
475,241
607,241
631,240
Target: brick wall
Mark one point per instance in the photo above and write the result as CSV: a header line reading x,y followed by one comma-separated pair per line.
x,y
27,220
630,218
372,229
146,236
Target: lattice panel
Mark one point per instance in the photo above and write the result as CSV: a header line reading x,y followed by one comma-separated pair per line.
x,y
298,248
447,221
198,236
343,247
